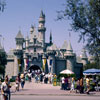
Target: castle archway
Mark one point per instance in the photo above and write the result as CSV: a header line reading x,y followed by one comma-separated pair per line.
x,y
35,68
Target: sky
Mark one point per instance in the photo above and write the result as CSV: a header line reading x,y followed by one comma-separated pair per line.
x,y
21,14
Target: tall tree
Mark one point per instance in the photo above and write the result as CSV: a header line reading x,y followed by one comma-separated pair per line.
x,y
3,61
85,19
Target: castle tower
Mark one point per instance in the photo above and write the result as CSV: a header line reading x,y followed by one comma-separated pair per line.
x,y
31,33
64,48
18,67
19,41
51,51
27,43
84,57
41,28
50,37
18,54
69,57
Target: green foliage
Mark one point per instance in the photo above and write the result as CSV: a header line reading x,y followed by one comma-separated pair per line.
x,y
3,58
85,18
2,69
12,80
91,65
3,61
65,75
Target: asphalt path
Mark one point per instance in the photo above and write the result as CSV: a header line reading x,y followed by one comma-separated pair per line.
x,y
41,97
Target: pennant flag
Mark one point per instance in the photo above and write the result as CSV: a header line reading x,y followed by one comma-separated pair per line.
x,y
27,63
44,63
19,64
49,66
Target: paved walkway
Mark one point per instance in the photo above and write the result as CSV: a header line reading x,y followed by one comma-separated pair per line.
x,y
32,88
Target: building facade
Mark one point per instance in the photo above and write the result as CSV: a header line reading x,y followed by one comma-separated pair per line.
x,y
33,53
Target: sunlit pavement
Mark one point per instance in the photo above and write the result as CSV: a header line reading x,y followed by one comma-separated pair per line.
x,y
32,88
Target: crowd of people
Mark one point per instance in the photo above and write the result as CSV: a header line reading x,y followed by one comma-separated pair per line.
x,y
81,85
40,77
66,83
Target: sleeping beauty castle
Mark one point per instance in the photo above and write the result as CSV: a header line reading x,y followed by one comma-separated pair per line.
x,y
33,53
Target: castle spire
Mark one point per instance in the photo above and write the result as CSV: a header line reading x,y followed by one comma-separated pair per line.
x,y
50,37
19,40
42,28
69,51
42,15
69,47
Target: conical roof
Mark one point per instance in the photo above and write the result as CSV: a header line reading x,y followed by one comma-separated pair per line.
x,y
69,47
42,14
69,51
64,46
52,47
19,35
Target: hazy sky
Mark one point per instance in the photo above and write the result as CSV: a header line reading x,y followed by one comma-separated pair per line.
x,y
21,14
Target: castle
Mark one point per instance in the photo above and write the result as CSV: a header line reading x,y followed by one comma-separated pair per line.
x,y
33,53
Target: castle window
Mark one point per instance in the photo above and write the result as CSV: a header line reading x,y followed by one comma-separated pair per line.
x,y
34,49
34,41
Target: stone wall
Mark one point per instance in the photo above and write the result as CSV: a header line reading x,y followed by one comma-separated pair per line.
x,y
60,65
10,68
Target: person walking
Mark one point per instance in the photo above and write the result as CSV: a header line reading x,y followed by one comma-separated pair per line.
x,y
9,86
17,81
87,85
62,83
78,86
81,85
29,76
66,83
5,89
22,80
72,85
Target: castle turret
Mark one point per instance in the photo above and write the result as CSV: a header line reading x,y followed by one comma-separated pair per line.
x,y
64,47
84,57
51,51
31,33
19,41
18,67
27,43
69,57
41,28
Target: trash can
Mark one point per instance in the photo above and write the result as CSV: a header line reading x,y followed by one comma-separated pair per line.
x,y
55,81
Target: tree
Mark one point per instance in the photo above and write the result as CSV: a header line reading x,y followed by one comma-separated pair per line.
x,y
3,62
91,65
2,5
85,19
